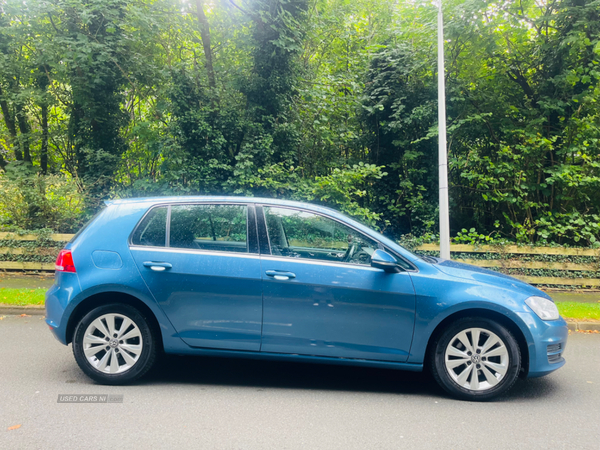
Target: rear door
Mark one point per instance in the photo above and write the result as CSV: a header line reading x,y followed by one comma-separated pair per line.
x,y
201,263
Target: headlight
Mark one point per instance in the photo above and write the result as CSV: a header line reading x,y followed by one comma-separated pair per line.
x,y
544,308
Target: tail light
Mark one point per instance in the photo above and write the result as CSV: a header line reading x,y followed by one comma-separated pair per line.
x,y
64,262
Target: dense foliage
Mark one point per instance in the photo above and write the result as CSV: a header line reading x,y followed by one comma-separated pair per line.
x,y
331,101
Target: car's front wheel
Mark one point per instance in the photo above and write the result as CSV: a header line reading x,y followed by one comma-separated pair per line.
x,y
114,344
476,359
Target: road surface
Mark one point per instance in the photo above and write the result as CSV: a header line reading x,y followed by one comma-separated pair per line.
x,y
211,403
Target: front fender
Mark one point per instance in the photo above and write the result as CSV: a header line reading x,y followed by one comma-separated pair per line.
x,y
425,330
440,296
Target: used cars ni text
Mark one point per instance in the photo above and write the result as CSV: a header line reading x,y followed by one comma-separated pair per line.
x,y
264,278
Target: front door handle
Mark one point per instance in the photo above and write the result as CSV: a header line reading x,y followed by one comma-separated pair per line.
x,y
158,266
280,275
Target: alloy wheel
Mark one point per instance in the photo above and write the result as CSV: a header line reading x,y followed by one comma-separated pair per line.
x,y
112,343
476,359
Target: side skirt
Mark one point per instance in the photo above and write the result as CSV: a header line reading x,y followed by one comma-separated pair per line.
x,y
296,358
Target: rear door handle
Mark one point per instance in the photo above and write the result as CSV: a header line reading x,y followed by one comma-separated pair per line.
x,y
158,266
280,275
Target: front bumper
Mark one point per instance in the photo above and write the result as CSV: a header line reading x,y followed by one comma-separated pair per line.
x,y
548,343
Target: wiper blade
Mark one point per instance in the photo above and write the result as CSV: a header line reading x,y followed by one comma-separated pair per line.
x,y
430,259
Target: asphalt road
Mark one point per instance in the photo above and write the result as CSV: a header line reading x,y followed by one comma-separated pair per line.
x,y
233,404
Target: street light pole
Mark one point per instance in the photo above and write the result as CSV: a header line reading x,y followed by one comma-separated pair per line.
x,y
443,155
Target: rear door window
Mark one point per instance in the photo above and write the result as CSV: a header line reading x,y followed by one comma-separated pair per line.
x,y
209,227
152,230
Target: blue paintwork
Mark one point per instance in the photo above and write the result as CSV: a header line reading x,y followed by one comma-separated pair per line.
x,y
339,310
217,303
449,288
107,260
214,300
383,260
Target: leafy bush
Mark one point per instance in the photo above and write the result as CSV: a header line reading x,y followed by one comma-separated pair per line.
x,y
349,188
31,201
474,238
573,226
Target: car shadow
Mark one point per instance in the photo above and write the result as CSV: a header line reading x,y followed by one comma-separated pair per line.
x,y
262,374
288,375
532,389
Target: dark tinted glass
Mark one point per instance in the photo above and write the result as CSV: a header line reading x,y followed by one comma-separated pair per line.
x,y
152,230
209,227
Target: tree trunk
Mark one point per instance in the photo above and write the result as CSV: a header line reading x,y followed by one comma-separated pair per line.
x,y
44,149
43,80
10,124
205,35
24,128
78,157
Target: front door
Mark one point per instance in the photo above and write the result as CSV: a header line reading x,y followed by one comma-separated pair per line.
x,y
205,272
322,297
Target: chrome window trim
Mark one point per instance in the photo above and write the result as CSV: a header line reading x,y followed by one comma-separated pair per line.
x,y
381,245
147,248
320,262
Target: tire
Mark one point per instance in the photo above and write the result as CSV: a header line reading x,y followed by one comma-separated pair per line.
x,y
103,355
496,359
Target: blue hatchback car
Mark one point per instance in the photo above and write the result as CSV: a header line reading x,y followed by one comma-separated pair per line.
x,y
273,279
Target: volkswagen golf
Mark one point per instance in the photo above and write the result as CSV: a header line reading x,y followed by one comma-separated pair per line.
x,y
275,279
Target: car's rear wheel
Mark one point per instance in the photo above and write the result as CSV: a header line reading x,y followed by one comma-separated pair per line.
x,y
114,344
476,359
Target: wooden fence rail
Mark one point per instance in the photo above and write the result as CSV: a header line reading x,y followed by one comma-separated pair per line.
x,y
34,237
518,264
503,263
515,250
5,252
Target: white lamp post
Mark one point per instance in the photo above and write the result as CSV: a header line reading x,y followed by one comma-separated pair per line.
x,y
443,155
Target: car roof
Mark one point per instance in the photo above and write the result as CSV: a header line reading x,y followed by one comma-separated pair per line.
x,y
220,199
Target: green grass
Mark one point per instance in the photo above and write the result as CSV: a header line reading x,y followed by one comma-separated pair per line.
x,y
571,310
22,297
579,311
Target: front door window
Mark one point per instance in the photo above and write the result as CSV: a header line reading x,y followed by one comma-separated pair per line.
x,y
300,234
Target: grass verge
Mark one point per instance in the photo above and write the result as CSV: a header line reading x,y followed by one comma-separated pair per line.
x,y
22,297
579,311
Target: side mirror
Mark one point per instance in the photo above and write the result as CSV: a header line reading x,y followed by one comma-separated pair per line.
x,y
383,260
